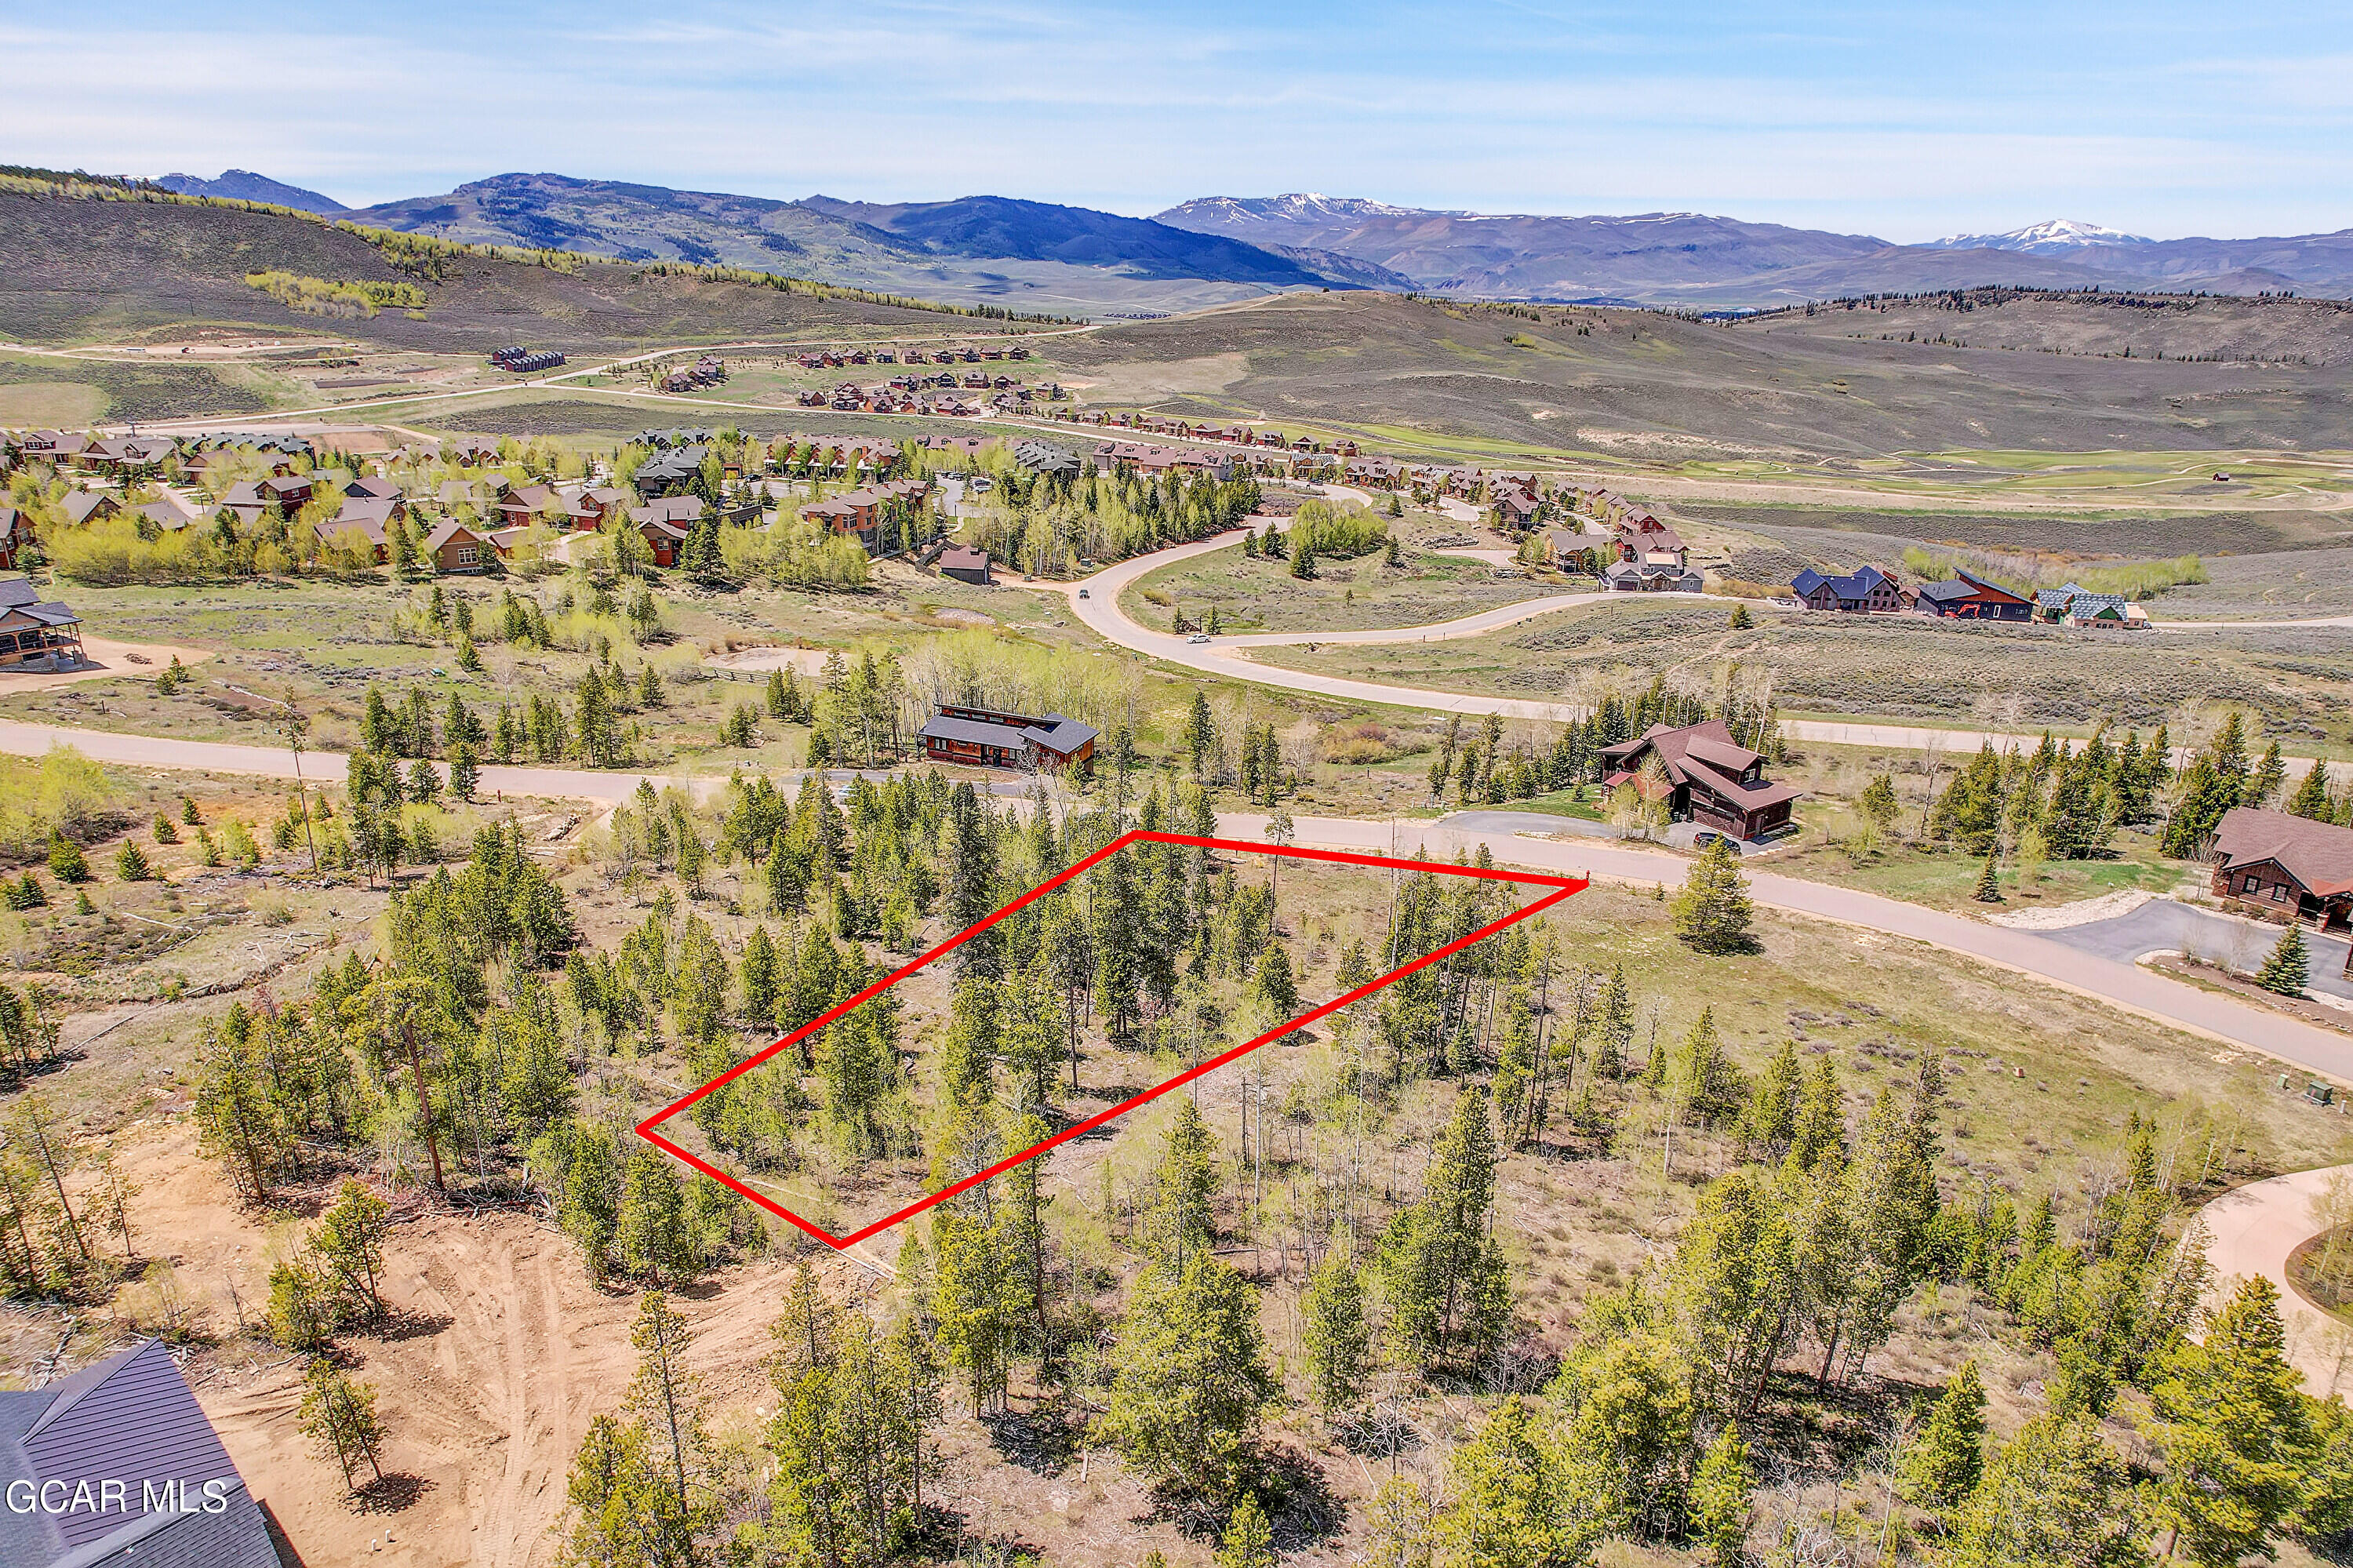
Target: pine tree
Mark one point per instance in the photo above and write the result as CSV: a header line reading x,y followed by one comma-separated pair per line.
x,y
300,1314
2287,969
2231,1418
1334,1333
757,976
1878,802
350,1238
2055,1496
163,832
1740,619
648,1227
1249,1539
1504,1506
67,862
1193,1383
339,1418
1448,1290
131,862
1713,910
1177,1226
1988,889
2311,798
2269,775
1945,1466
1720,1496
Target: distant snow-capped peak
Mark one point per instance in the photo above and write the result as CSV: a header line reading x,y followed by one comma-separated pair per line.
x,y
1294,207
2053,236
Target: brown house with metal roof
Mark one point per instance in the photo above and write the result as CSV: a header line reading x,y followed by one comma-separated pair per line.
x,y
988,737
1710,778
2276,866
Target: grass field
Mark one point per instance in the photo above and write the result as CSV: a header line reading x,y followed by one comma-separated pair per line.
x,y
1895,666
1261,596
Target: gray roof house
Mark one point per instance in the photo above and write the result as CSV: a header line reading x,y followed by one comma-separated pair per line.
x,y
118,1465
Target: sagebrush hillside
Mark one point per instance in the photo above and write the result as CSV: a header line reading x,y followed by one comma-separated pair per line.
x,y
82,270
1640,384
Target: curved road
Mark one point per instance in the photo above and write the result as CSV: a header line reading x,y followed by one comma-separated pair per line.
x,y
1100,611
2252,1230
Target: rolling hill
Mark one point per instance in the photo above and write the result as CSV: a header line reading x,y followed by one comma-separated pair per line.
x,y
244,184
1024,256
93,270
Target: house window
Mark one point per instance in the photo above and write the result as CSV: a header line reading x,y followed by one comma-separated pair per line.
x,y
2279,892
2251,886
469,556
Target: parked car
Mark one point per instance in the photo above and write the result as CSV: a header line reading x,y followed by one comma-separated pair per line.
x,y
1082,593
1704,837
1198,637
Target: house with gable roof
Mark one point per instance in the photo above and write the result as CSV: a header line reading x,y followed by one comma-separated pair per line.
x,y
2278,866
1705,776
1869,591
118,1464
1969,597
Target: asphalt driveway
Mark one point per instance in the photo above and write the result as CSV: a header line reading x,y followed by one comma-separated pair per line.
x,y
2162,926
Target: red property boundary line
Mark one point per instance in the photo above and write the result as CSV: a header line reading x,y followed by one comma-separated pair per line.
x,y
1562,886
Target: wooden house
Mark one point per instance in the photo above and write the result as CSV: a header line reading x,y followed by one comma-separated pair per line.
x,y
2276,866
1706,777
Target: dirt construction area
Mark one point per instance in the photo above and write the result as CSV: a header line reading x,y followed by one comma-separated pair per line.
x,y
498,1354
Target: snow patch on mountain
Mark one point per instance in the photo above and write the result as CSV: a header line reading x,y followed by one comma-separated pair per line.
x,y
2052,236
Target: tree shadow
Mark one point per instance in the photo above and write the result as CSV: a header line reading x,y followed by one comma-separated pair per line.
x,y
400,1324
1040,1441
392,1492
1302,1511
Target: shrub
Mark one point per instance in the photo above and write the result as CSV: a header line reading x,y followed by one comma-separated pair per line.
x,y
61,790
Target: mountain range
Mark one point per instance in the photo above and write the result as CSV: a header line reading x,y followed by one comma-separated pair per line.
x,y
1690,259
1039,257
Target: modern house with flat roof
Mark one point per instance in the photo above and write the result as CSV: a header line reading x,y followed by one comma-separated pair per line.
x,y
118,1464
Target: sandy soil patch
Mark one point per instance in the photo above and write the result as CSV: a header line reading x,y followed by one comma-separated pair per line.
x,y
806,661
499,1354
106,659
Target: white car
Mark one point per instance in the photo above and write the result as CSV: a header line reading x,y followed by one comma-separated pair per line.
x,y
1198,637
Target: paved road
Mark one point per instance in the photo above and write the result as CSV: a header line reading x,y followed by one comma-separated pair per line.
x,y
1102,613
2165,926
2137,990
2121,984
2251,1230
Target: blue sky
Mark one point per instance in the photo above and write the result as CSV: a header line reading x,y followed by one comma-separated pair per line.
x,y
1904,120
